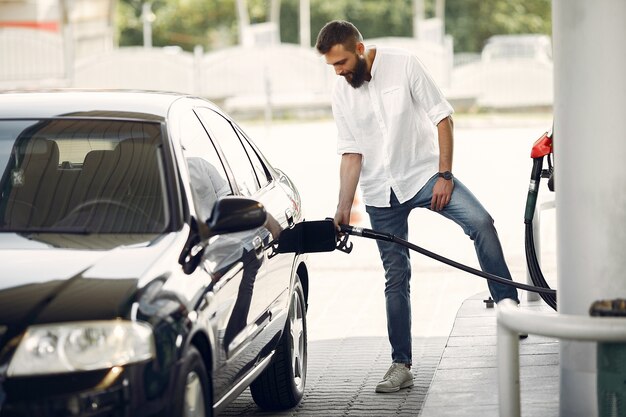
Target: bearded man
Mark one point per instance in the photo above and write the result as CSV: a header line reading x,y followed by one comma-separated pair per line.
x,y
395,138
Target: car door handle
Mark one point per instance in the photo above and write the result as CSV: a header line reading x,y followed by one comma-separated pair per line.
x,y
257,244
289,217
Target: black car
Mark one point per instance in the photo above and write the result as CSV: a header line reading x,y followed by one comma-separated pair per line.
x,y
138,275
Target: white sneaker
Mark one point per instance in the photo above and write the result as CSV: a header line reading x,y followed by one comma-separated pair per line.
x,y
396,378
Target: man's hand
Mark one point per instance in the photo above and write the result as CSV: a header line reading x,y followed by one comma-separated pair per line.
x,y
442,193
342,217
349,172
273,226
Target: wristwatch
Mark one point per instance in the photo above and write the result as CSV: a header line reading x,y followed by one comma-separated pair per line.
x,y
446,175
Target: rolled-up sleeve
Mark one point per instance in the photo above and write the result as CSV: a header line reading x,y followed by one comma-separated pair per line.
x,y
430,96
440,112
346,143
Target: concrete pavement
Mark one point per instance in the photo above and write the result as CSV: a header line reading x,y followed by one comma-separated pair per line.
x,y
342,376
348,350
465,382
454,376
454,353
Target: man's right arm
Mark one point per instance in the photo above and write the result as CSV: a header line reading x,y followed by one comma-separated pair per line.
x,y
349,172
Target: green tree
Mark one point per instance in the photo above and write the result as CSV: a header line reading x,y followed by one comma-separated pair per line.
x,y
186,23
213,23
374,18
471,22
129,25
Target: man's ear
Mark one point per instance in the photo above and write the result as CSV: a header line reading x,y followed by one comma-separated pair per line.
x,y
360,48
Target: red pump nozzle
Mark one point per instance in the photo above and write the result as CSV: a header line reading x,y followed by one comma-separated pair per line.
x,y
542,146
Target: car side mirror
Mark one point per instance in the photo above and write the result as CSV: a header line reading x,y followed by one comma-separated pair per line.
x,y
236,214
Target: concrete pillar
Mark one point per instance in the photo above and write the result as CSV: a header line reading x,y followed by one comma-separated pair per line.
x,y
590,161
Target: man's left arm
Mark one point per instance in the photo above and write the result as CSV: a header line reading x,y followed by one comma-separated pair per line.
x,y
442,191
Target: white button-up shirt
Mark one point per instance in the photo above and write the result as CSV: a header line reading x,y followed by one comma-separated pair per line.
x,y
391,121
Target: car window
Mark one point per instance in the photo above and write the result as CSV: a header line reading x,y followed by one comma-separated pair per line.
x,y
82,176
258,165
222,131
207,176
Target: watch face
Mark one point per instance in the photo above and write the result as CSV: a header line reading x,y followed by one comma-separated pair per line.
x,y
446,175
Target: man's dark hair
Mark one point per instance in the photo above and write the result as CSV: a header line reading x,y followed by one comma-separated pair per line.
x,y
335,33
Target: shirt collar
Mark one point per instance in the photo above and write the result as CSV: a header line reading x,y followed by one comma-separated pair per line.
x,y
376,59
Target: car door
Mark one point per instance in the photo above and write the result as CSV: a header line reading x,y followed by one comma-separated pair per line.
x,y
282,200
231,260
254,180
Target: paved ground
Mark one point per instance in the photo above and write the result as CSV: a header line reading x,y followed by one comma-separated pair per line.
x,y
348,348
465,382
454,376
341,379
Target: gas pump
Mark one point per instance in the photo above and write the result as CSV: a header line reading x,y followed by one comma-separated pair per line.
x,y
542,148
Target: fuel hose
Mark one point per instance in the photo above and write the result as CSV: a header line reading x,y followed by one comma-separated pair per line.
x,y
534,269
388,237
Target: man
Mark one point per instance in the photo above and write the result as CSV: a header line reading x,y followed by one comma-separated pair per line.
x,y
386,113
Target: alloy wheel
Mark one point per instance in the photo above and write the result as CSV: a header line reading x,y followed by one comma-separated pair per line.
x,y
194,396
297,341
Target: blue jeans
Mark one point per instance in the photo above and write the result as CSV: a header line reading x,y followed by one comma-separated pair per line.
x,y
466,211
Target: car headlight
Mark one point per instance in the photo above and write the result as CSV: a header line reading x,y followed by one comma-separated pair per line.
x,y
81,346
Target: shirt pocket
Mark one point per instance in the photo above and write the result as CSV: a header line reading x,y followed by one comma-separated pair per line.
x,y
392,100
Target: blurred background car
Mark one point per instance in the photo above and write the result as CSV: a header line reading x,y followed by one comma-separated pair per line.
x,y
525,46
138,275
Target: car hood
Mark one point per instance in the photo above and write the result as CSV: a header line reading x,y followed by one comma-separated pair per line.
x,y
43,282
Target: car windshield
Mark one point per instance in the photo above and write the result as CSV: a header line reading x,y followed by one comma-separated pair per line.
x,y
82,176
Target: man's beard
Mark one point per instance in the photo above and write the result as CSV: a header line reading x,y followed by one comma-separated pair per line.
x,y
358,75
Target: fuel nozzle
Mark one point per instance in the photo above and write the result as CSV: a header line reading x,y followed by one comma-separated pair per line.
x,y
541,148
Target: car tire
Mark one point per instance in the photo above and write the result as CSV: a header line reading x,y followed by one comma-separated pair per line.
x,y
281,385
193,391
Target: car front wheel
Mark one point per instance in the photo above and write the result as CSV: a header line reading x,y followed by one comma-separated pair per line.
x,y
281,385
193,389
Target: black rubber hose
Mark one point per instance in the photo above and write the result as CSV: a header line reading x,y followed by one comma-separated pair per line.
x,y
533,190
534,269
372,234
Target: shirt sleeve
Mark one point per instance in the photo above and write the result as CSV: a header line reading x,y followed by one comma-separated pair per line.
x,y
426,92
346,143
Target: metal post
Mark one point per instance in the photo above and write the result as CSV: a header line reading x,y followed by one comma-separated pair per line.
x,y
513,320
275,13
508,371
243,19
305,23
590,98
440,10
147,18
418,16
111,19
69,44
